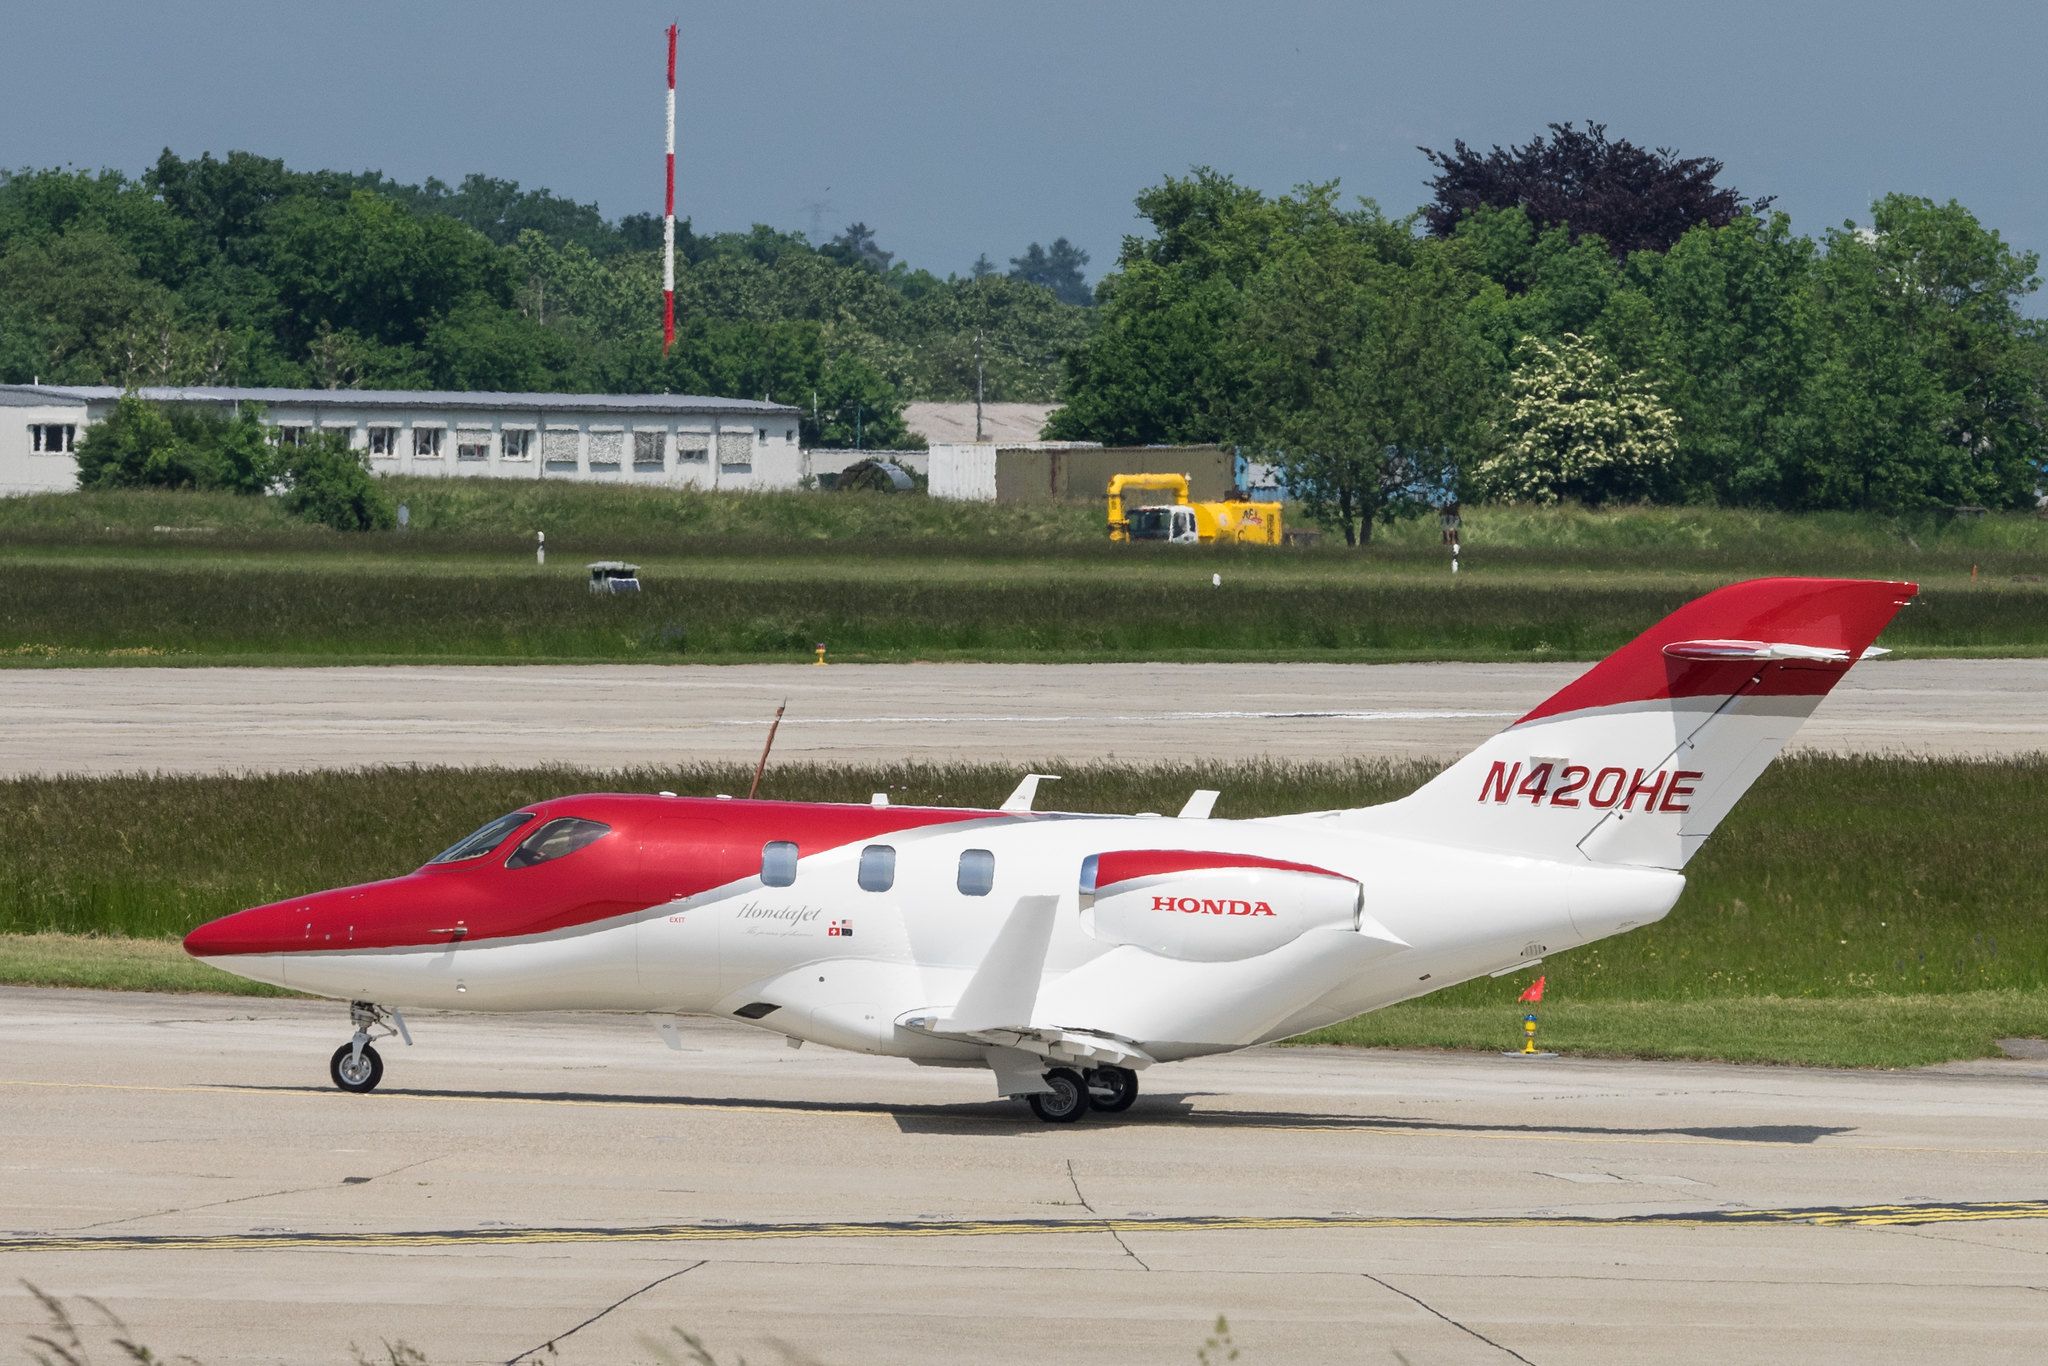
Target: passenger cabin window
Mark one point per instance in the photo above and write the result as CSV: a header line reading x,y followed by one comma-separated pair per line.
x,y
778,863
878,868
556,839
483,840
977,872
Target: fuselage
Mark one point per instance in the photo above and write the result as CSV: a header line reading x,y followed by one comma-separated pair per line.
x,y
846,924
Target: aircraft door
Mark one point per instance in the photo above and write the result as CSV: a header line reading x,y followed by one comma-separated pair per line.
x,y
679,939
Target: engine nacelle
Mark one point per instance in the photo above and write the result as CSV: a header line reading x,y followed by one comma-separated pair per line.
x,y
1209,907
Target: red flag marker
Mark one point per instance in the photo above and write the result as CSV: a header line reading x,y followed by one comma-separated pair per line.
x,y
1534,993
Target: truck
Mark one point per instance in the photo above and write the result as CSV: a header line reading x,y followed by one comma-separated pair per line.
x,y
1235,519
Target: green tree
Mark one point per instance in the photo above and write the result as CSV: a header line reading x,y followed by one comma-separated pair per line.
x,y
1058,268
1370,380
326,481
1737,349
1578,426
1155,368
1926,393
857,247
364,264
481,346
139,446
245,459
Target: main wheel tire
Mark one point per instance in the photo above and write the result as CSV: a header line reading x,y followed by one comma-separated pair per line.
x,y
1066,1102
351,1073
1112,1089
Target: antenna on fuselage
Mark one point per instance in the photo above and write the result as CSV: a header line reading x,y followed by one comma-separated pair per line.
x,y
761,767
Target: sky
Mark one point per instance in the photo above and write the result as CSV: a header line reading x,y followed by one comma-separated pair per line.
x,y
962,128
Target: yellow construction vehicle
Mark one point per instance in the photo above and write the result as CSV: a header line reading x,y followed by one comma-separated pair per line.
x,y
1236,519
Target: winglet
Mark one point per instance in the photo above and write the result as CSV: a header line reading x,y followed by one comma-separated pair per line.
x,y
1199,804
1004,987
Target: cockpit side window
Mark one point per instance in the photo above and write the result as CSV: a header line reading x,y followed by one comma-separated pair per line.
x,y
483,840
556,839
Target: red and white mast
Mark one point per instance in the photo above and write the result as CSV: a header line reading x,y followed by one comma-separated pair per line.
x,y
668,212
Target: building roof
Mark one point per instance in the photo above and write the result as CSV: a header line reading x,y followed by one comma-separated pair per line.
x,y
401,398
33,396
1001,423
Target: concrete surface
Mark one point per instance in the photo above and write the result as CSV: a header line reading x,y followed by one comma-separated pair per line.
x,y
205,720
568,1180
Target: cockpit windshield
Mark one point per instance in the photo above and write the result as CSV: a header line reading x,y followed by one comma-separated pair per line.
x,y
483,840
556,839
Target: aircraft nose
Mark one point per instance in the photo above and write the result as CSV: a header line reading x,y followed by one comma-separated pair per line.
x,y
274,928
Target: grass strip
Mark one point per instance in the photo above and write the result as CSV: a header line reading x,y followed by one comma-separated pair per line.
x,y
110,963
1859,1031
159,612
1859,910
612,519
1866,1031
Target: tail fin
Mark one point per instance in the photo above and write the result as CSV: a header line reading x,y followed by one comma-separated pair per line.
x,y
1638,759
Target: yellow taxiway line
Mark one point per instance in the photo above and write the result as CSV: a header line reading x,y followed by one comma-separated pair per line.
x,y
1834,1216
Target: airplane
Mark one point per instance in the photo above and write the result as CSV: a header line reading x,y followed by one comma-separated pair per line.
x,y
1066,953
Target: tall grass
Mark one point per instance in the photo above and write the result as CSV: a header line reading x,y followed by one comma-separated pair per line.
x,y
449,515
221,611
1836,877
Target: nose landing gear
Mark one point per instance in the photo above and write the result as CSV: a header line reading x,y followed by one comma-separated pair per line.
x,y
356,1065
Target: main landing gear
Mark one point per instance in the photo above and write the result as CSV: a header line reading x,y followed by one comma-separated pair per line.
x,y
1074,1094
355,1065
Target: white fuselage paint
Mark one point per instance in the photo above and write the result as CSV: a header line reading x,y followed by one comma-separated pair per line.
x,y
1432,915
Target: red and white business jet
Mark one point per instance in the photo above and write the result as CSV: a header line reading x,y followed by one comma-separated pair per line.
x,y
1066,953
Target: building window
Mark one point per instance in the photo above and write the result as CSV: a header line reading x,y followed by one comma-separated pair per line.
x,y
647,453
692,448
383,442
346,431
52,438
472,445
291,434
735,450
606,451
762,432
516,444
778,863
426,443
789,435
977,872
558,450
878,868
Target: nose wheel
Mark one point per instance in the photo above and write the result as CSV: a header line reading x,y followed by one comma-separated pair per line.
x,y
356,1069
356,1065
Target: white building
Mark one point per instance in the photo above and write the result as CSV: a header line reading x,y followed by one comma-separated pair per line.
x,y
646,439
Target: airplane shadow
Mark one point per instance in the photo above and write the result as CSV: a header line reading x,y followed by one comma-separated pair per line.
x,y
1154,1109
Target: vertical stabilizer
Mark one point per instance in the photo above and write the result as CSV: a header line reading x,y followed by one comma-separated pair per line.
x,y
1638,759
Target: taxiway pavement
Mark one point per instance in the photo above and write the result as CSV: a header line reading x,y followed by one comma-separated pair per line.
x,y
210,720
566,1180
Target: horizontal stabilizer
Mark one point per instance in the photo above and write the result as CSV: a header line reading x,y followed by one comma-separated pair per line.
x,y
1750,649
